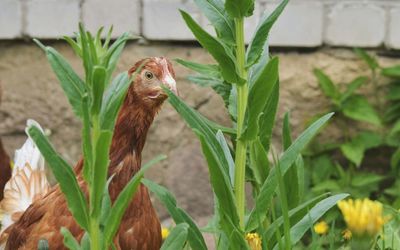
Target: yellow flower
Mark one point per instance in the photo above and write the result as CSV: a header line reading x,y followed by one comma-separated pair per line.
x,y
254,241
321,228
347,234
363,217
164,233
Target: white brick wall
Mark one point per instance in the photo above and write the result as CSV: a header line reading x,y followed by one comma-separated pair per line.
x,y
304,23
356,24
122,14
393,39
10,19
51,18
301,24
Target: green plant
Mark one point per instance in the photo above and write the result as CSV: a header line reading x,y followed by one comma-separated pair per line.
x,y
248,82
96,102
340,163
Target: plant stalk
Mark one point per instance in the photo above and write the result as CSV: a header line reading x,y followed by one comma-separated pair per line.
x,y
94,234
241,146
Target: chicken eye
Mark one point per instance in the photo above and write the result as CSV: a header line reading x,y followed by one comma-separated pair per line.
x,y
149,75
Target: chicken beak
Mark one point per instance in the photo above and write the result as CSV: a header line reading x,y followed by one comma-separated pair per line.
x,y
170,83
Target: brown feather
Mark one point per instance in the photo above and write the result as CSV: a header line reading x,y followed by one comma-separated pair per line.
x,y
140,227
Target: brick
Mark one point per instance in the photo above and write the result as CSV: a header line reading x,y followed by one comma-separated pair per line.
x,y
355,24
300,24
162,20
10,19
124,15
393,38
52,18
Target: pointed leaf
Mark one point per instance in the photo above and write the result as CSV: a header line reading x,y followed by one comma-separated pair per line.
x,y
99,174
73,86
123,200
326,84
258,97
263,200
65,176
299,229
393,72
177,238
239,8
215,12
267,120
371,61
69,240
259,39
195,237
112,100
358,108
216,49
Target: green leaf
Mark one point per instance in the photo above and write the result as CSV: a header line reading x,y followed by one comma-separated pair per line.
x,y
99,77
300,210
285,162
74,45
394,91
267,120
291,178
64,175
257,43
73,86
258,97
69,240
353,86
114,53
195,237
215,12
395,159
393,72
354,149
300,228
358,108
259,161
99,174
123,200
112,100
391,234
327,86
177,238
210,70
371,61
198,123
239,8
366,179
224,57
86,140
222,187
227,154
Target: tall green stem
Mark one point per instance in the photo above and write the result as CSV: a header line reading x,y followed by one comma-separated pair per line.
x,y
94,234
241,146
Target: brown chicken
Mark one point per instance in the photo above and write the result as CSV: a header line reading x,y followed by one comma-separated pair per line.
x,y
140,227
5,166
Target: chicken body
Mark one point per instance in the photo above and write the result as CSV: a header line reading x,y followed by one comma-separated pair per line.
x,y
140,227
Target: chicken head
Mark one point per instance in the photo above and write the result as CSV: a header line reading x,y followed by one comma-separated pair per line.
x,y
151,74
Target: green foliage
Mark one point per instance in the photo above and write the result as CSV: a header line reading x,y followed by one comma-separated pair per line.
x,y
177,237
340,165
97,103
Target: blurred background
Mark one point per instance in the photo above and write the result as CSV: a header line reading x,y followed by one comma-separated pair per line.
x,y
310,34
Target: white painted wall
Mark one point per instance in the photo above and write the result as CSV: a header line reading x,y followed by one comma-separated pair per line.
x,y
305,23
